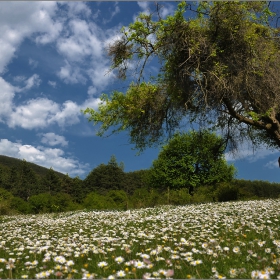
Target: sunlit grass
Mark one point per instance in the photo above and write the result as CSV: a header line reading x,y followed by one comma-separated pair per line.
x,y
218,240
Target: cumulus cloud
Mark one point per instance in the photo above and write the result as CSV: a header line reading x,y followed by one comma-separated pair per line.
x,y
19,20
44,156
33,114
84,41
53,139
68,114
71,75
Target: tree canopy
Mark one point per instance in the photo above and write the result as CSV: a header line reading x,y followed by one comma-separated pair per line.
x,y
190,160
219,68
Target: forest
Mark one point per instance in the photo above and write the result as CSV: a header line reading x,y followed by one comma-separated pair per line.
x,y
26,188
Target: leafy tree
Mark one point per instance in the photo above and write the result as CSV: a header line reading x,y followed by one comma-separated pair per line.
x,y
219,68
135,180
51,182
28,181
105,177
190,160
13,180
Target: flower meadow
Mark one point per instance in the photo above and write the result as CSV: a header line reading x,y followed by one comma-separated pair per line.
x,y
215,240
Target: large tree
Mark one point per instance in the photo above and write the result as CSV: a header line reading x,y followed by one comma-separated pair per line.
x,y
219,68
190,160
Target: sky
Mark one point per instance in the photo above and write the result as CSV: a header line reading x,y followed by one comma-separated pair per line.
x,y
53,63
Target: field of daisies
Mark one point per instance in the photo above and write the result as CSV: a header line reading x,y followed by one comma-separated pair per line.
x,y
215,240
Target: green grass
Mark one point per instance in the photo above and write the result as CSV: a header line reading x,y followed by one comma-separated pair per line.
x,y
215,240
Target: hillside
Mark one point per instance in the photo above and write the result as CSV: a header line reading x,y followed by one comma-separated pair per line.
x,y
11,162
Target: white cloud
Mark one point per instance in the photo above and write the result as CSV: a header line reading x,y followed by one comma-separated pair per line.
x,y
67,115
19,20
47,157
144,5
6,98
52,84
246,152
33,81
91,103
100,76
35,113
19,79
166,10
92,91
272,164
113,13
77,9
33,63
71,74
53,139
85,40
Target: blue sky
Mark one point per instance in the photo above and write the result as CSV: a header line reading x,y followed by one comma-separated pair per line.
x,y
53,63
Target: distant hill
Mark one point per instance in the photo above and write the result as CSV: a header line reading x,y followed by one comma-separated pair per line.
x,y
10,162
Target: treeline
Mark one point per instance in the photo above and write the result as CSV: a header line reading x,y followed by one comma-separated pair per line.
x,y
22,190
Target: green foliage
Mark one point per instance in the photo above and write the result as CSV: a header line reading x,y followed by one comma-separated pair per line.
x,y
214,69
51,182
20,205
179,196
105,177
226,192
41,203
97,201
191,160
119,198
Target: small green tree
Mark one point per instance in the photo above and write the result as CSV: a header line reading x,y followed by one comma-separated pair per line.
x,y
190,160
105,177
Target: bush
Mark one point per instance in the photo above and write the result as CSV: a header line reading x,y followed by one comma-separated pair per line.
x,y
119,197
41,203
21,206
97,201
179,197
204,194
226,192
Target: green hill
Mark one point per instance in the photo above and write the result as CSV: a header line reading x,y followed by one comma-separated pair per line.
x,y
10,162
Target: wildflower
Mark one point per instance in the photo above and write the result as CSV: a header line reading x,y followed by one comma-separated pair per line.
x,y
261,243
88,276
102,264
236,250
214,269
204,245
111,277
119,260
263,274
120,273
60,259
169,273
70,263
195,263
24,276
267,250
139,264
232,273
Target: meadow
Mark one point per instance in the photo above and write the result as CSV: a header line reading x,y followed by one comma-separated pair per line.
x,y
214,240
